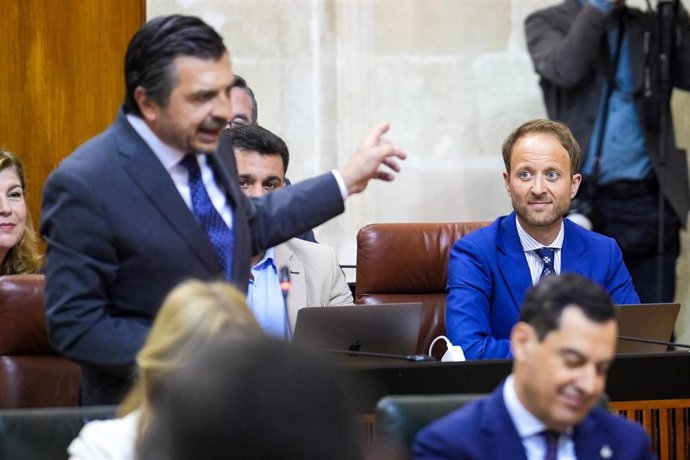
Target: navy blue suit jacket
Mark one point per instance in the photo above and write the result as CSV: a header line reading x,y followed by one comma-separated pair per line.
x,y
484,430
120,237
488,278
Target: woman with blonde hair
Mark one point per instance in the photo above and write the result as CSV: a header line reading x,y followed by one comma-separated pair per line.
x,y
192,315
18,241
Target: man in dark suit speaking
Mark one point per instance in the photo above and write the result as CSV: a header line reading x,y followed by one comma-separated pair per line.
x,y
563,346
146,204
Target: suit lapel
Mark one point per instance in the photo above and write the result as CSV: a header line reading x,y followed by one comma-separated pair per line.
x,y
150,176
590,442
502,437
298,293
573,257
511,260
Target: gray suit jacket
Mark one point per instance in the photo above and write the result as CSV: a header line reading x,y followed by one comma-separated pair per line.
x,y
567,43
316,278
120,237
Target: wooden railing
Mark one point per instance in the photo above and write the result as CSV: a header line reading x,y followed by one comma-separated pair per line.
x,y
666,421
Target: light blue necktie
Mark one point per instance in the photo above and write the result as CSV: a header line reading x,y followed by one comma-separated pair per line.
x,y
547,257
221,237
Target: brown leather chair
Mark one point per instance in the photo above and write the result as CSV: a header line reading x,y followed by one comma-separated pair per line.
x,y
408,262
32,374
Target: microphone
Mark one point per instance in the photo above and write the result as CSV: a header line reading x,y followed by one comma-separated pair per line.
x,y
411,358
285,286
656,342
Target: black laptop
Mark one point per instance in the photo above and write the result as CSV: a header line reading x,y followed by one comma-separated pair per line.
x,y
654,321
371,330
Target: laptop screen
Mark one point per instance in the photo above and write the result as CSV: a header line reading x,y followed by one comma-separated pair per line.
x,y
653,321
380,328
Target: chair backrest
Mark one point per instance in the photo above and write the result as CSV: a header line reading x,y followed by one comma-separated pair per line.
x,y
408,262
45,433
399,418
32,374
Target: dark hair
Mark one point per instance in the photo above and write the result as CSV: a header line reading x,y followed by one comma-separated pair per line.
x,y
151,53
558,130
545,302
252,398
254,137
241,83
25,256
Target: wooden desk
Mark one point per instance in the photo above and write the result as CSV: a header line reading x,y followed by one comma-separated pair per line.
x,y
652,389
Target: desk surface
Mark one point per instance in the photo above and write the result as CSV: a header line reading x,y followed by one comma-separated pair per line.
x,y
632,377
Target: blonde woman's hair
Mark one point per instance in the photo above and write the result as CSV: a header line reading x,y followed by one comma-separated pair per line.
x,y
24,257
192,315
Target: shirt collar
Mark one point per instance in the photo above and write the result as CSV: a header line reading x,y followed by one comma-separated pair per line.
x,y
167,155
525,423
530,244
266,261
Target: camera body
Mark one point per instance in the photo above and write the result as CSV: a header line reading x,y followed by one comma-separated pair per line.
x,y
581,212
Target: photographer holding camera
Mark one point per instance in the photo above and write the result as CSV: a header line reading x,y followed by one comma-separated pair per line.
x,y
599,71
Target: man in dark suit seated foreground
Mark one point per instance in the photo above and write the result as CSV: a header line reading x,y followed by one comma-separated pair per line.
x,y
563,347
146,204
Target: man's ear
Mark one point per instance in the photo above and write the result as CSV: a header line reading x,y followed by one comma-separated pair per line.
x,y
506,180
148,108
522,338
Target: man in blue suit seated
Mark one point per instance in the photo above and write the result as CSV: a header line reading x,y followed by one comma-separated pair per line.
x,y
563,346
491,269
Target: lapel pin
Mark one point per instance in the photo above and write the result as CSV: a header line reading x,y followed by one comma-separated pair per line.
x,y
605,452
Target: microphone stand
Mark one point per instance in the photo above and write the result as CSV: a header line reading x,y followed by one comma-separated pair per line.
x,y
656,342
411,358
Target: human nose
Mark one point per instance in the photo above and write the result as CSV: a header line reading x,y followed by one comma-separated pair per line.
x,y
539,185
222,107
5,208
590,381
255,191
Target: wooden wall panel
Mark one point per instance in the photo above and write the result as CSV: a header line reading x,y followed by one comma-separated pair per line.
x,y
61,77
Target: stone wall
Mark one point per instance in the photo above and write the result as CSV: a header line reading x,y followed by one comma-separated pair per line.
x,y
451,76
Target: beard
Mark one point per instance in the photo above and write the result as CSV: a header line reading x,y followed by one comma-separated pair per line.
x,y
543,218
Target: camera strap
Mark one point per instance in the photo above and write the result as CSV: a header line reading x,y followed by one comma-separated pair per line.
x,y
609,85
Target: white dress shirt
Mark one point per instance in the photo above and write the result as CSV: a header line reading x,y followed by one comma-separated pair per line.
x,y
529,245
530,429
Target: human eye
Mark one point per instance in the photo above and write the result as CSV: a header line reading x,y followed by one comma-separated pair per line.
x,y
16,194
243,183
272,185
552,175
202,97
525,175
572,360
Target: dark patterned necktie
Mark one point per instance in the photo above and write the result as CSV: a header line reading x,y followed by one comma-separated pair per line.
x,y
547,256
551,439
221,237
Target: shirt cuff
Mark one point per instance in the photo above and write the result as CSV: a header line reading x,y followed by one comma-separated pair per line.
x,y
605,6
341,183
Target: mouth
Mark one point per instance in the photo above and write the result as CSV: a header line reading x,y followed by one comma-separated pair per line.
x,y
575,401
7,227
539,204
211,129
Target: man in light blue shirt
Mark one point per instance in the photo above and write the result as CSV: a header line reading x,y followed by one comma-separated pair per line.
x,y
316,278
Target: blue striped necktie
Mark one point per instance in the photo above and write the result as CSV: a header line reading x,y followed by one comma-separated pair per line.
x,y
221,237
547,257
